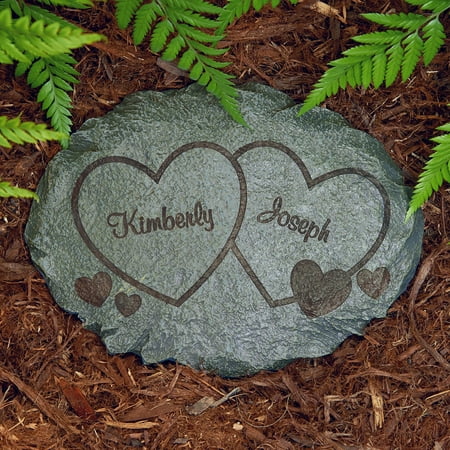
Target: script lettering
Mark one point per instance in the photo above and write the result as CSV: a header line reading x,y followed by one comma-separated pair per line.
x,y
308,228
128,222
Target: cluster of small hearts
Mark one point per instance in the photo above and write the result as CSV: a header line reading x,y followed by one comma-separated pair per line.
x,y
315,292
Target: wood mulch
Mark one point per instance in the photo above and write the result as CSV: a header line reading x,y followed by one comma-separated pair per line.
x,y
390,389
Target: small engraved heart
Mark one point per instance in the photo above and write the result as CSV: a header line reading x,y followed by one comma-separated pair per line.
x,y
319,293
127,304
373,283
94,291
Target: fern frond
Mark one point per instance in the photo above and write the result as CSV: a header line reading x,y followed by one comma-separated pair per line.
x,y
79,4
436,171
192,18
8,190
125,9
394,63
38,13
436,6
409,21
389,37
173,48
200,6
237,8
383,55
177,30
54,76
198,35
18,132
18,36
13,5
160,35
434,35
413,50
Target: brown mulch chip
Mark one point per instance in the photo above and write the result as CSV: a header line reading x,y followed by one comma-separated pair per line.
x,y
390,389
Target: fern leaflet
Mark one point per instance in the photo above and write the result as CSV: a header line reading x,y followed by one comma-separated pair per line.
x,y
18,36
437,169
8,190
434,34
79,4
18,132
237,8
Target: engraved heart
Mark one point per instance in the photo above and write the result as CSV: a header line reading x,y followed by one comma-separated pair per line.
x,y
127,304
152,225
373,283
94,291
292,215
319,293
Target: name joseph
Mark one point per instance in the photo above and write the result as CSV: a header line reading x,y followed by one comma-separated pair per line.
x,y
294,223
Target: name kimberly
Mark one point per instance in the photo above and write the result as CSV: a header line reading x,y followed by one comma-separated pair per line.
x,y
126,222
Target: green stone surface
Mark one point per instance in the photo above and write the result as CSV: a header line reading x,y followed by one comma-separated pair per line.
x,y
175,233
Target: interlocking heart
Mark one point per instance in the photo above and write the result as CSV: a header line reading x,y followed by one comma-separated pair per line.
x,y
200,216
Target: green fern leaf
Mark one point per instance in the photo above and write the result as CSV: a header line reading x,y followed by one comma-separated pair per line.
x,y
219,84
173,48
8,190
194,33
145,17
328,84
434,34
177,28
13,5
18,132
37,13
125,10
410,21
187,59
211,51
54,75
364,51
394,63
197,5
38,38
436,170
437,6
388,37
231,11
412,54
366,68
79,4
379,63
192,18
196,71
160,35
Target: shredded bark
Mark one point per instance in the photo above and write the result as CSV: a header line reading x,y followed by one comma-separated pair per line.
x,y
386,390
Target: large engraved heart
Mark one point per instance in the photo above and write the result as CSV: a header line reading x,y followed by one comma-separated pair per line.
x,y
293,216
319,293
166,231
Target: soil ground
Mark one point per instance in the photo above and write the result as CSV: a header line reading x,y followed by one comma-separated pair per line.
x,y
389,389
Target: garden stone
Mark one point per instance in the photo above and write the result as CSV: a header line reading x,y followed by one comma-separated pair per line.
x,y
175,233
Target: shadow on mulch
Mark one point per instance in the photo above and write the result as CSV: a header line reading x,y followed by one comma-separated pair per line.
x,y
389,389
